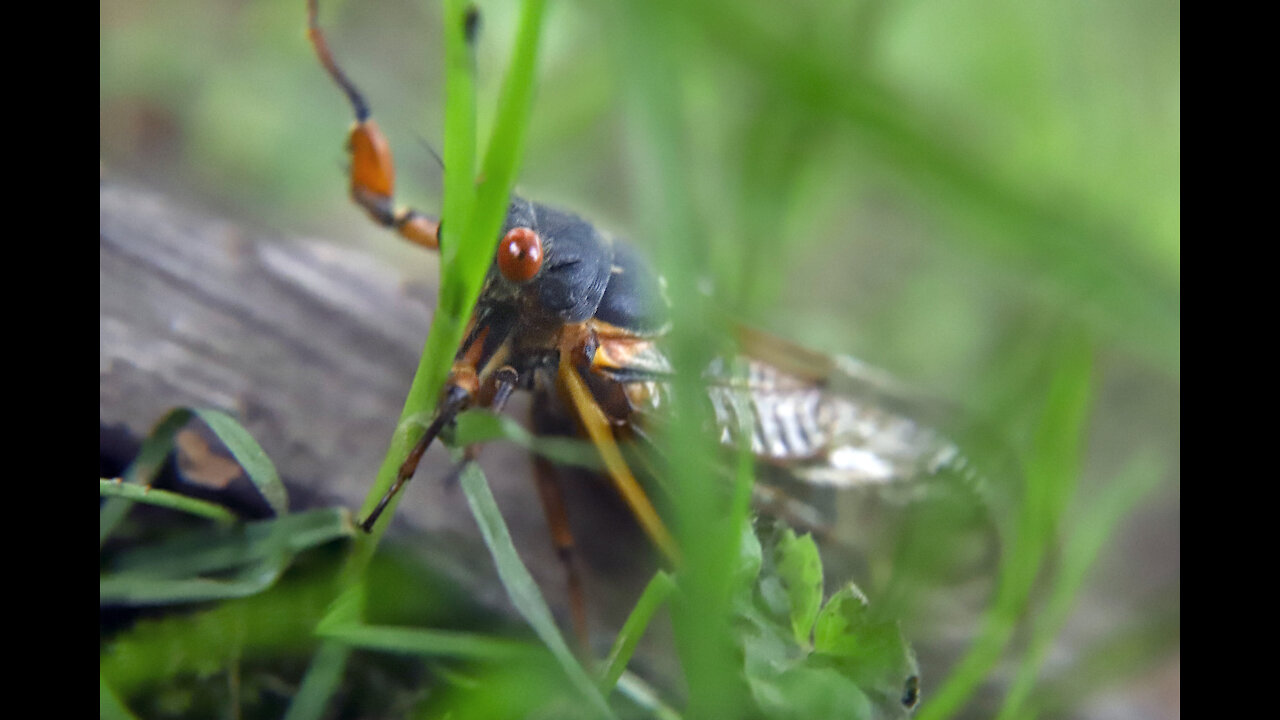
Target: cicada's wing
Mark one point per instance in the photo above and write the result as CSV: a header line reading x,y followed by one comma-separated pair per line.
x,y
827,420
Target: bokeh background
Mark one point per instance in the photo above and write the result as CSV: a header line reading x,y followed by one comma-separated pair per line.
x,y
931,187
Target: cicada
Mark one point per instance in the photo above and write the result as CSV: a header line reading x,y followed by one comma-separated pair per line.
x,y
578,318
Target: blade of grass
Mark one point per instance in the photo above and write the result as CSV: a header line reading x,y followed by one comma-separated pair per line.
x,y
133,589
1107,665
427,642
109,706
248,558
519,584
1051,473
478,426
455,298
163,498
1101,520
473,210
639,692
160,442
464,255
160,649
654,595
323,677
709,531
217,549
250,455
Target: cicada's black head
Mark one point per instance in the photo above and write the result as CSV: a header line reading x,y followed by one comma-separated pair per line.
x,y
550,263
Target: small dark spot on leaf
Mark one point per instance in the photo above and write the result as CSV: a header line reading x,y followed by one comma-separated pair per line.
x,y
911,692
471,24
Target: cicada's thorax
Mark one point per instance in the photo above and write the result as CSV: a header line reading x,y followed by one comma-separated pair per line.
x,y
587,298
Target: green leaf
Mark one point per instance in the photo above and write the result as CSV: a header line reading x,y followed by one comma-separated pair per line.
x,y
869,650
844,616
800,569
750,557
808,692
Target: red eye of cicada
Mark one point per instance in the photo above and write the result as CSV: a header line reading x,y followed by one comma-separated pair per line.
x,y
520,255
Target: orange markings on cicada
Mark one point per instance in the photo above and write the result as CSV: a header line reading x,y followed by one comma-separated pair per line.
x,y
372,170
421,230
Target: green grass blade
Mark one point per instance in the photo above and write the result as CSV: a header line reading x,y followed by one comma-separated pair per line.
x,y
160,442
520,586
247,559
458,288
109,706
654,595
324,675
250,455
217,549
1051,473
638,691
465,251
473,212
427,642
479,426
707,525
151,455
1107,665
1100,521
130,589
162,649
163,498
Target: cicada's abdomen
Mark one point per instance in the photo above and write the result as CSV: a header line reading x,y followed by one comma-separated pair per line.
x,y
821,435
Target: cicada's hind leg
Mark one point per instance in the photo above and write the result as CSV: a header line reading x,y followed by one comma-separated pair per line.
x,y
545,475
373,174
549,421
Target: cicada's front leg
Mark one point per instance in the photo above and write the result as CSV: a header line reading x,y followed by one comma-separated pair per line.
x,y
373,174
577,354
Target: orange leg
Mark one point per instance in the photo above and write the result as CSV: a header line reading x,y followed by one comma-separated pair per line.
x,y
373,174
562,539
593,420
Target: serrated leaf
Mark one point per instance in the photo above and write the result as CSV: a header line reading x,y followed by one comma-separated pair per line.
x,y
835,632
799,568
750,557
808,692
870,651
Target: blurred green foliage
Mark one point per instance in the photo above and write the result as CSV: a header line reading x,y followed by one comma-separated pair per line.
x,y
896,180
